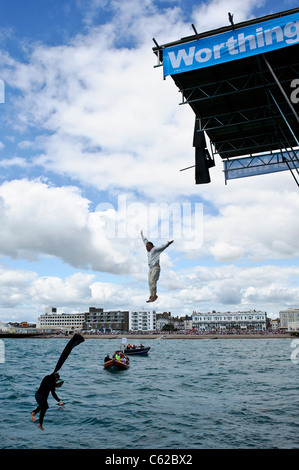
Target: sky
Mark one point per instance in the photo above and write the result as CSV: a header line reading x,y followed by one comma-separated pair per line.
x,y
92,141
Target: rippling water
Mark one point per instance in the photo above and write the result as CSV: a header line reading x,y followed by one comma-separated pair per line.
x,y
187,394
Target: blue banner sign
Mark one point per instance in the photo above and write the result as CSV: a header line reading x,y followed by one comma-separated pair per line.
x,y
232,45
260,165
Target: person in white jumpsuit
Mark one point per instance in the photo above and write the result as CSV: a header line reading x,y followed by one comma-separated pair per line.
x,y
153,255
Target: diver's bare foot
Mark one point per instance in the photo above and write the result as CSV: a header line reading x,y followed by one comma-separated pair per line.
x,y
32,416
40,427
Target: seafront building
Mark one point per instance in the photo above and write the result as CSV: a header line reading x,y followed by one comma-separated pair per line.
x,y
4,327
289,318
61,321
112,320
97,319
183,324
275,324
142,320
162,319
229,321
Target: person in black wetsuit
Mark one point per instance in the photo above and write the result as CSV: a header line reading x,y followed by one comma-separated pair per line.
x,y
48,384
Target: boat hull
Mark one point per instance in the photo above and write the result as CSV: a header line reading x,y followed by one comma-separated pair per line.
x,y
137,351
114,365
21,335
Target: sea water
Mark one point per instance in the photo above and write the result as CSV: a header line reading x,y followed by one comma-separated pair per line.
x,y
186,394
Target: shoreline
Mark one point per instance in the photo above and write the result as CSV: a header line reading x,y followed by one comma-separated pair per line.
x,y
161,336
192,337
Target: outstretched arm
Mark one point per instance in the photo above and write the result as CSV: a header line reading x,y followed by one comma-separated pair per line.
x,y
145,240
163,247
55,395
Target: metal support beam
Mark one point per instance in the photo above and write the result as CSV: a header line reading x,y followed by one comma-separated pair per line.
x,y
284,118
237,84
261,164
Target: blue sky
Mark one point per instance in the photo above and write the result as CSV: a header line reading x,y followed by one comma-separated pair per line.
x,y
91,146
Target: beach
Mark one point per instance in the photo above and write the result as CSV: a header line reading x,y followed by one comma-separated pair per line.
x,y
159,336
191,336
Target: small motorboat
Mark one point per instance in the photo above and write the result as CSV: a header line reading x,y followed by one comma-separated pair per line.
x,y
116,364
138,350
113,364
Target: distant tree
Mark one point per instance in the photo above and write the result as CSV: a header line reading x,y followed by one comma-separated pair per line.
x,y
168,327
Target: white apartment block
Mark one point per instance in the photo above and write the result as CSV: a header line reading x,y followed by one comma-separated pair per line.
x,y
142,320
291,315
250,320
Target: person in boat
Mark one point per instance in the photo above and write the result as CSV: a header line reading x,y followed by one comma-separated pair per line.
x,y
48,384
124,359
107,358
129,346
141,346
153,255
117,356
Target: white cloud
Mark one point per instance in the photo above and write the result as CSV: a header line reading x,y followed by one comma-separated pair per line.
x,y
50,290
229,288
201,289
105,110
255,223
14,287
210,15
226,251
111,120
38,219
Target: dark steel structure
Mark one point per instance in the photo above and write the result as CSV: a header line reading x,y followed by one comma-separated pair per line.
x,y
244,107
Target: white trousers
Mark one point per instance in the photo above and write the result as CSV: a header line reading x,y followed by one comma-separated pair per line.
x,y
153,276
